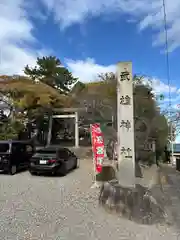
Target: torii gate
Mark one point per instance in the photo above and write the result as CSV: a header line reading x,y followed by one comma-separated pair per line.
x,y
65,113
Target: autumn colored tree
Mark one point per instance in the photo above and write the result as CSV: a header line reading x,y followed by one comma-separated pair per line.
x,y
27,99
25,94
44,88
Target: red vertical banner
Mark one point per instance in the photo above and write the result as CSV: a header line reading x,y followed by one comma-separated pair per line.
x,y
98,147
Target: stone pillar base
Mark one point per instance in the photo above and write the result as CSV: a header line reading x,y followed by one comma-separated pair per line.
x,y
135,204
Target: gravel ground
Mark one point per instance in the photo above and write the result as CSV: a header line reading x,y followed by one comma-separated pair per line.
x,y
172,191
52,208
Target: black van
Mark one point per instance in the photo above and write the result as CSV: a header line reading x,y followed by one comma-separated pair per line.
x,y
15,155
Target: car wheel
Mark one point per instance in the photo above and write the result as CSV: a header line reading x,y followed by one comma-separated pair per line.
x,y
54,173
64,170
76,165
33,173
12,170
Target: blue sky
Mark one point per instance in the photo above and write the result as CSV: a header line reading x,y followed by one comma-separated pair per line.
x,y
91,36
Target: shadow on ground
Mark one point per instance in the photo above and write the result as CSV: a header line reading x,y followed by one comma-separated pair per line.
x,y
19,171
51,174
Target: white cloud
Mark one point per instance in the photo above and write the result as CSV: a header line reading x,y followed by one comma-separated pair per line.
x,y
70,11
159,86
148,13
15,36
87,70
16,32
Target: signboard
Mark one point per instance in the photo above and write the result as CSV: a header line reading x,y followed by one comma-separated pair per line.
x,y
97,147
125,123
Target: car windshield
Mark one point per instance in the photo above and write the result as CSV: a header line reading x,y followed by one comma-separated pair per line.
x,y
4,147
46,151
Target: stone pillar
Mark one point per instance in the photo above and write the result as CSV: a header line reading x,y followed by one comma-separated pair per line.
x,y
125,125
49,131
76,130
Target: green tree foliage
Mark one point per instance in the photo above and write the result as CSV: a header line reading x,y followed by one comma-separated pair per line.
x,y
146,109
11,130
50,71
150,124
99,98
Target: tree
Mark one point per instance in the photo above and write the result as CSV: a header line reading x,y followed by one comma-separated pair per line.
x,y
98,98
10,129
29,100
25,94
150,124
50,71
44,88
